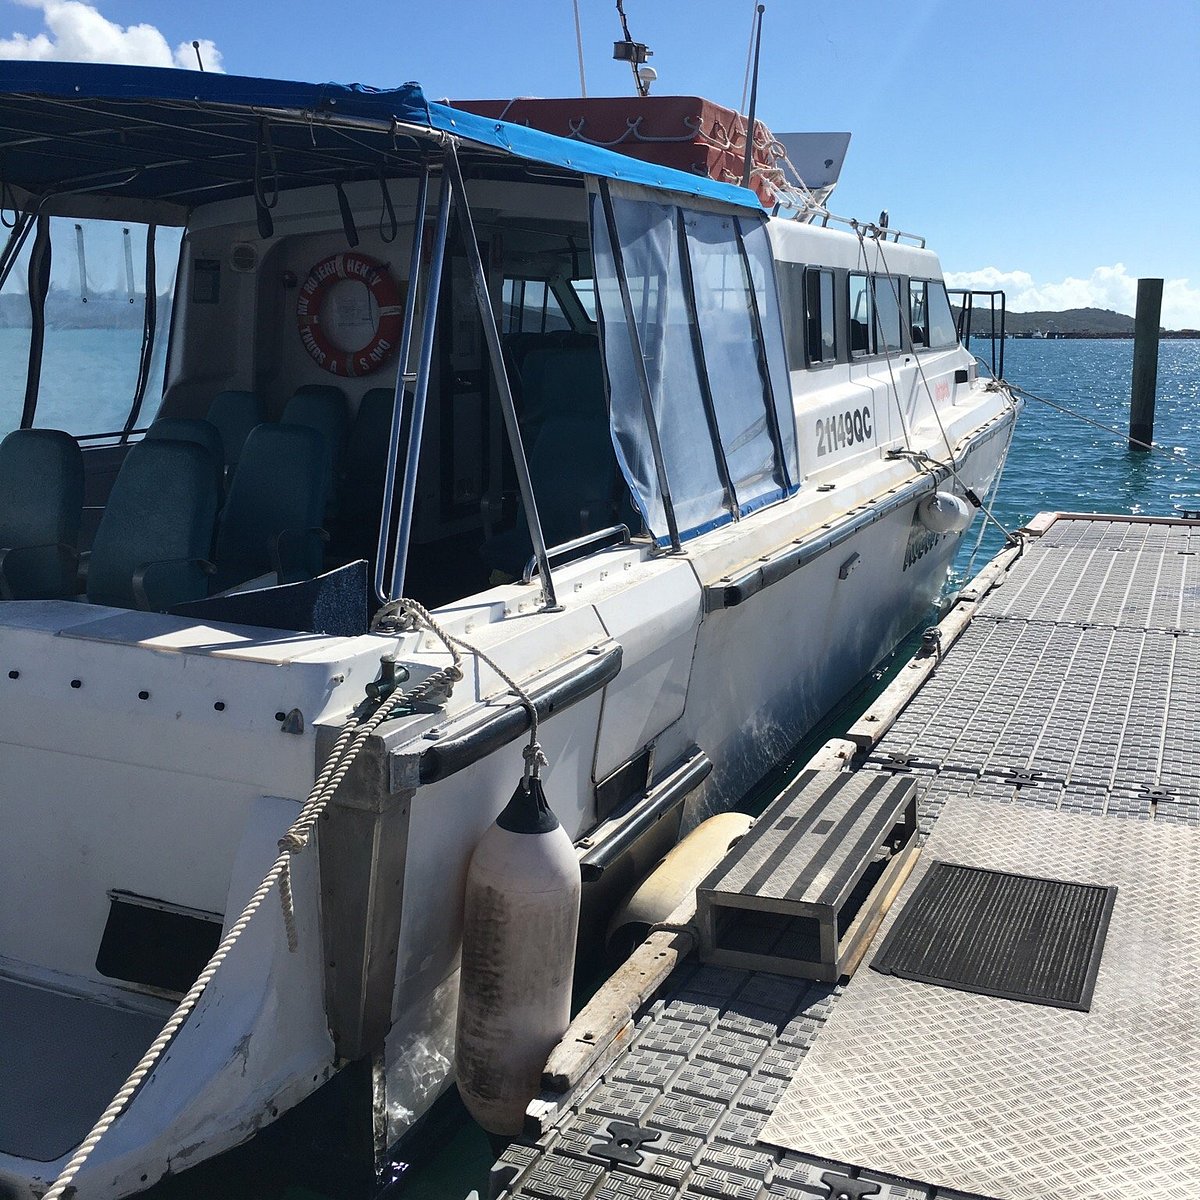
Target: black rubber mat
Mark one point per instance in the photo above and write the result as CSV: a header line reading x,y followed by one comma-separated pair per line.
x,y
1015,936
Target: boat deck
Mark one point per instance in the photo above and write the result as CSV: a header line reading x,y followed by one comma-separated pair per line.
x,y
1055,736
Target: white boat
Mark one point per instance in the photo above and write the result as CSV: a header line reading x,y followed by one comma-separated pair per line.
x,y
748,435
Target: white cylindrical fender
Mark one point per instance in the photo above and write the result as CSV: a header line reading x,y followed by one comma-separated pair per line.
x,y
673,880
520,920
944,512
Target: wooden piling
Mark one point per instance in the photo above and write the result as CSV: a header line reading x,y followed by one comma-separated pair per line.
x,y
1145,363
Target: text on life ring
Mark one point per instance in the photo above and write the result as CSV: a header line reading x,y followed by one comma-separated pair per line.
x,y
314,291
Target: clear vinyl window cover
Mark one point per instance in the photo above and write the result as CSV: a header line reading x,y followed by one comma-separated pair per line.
x,y
650,248
942,331
95,311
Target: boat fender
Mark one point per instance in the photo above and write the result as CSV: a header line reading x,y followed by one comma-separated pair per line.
x,y
944,512
674,879
520,921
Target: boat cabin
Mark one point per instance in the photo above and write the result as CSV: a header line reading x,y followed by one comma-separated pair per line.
x,y
247,286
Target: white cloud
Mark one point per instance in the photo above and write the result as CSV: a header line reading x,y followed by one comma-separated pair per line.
x,y
79,32
1107,287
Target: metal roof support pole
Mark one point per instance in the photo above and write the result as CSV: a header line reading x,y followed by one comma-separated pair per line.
x,y
639,363
403,377
420,390
487,316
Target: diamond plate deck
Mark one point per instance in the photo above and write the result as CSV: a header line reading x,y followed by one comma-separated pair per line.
x,y
923,1082
1072,696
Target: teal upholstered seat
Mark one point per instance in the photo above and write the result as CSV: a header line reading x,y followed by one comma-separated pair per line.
x,y
322,407
364,466
235,413
155,537
571,459
187,429
41,504
272,517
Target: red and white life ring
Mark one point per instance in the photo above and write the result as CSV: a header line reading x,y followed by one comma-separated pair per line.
x,y
313,293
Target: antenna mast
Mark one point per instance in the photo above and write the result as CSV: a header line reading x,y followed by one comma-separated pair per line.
x,y
635,54
753,100
579,49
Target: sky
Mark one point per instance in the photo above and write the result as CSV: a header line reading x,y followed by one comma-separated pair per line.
x,y
1050,147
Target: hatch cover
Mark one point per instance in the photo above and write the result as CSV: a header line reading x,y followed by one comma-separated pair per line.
x,y
1021,937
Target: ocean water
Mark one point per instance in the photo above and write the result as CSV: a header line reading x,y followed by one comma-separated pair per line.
x,y
1060,463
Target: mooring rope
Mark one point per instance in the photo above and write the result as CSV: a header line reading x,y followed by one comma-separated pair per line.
x,y
399,616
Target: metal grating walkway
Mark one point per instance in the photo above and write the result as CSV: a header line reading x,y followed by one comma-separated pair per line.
x,y
1075,688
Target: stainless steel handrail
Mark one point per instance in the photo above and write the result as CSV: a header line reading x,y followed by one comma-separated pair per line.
x,y
420,393
402,377
614,535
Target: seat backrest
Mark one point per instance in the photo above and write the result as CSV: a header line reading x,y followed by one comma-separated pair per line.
x,y
364,464
189,429
322,407
162,509
235,413
41,504
280,486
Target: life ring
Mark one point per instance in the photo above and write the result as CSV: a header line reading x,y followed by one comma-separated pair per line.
x,y
313,293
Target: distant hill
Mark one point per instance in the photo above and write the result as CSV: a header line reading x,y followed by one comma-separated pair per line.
x,y
1071,323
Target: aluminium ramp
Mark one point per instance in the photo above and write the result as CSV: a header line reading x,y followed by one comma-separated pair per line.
x,y
1017,1100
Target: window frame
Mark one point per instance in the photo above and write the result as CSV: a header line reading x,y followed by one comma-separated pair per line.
x,y
836,354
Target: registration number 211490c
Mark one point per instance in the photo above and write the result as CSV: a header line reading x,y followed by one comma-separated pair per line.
x,y
847,428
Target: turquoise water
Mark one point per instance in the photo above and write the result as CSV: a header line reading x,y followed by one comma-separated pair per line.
x,y
1059,463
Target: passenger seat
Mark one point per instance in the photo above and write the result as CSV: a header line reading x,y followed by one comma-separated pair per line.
x,y
188,429
41,508
235,413
272,518
364,467
152,546
322,407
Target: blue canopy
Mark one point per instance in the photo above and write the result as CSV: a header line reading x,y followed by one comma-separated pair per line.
x,y
189,137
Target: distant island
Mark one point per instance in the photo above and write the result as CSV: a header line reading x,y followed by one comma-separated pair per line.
x,y
1072,323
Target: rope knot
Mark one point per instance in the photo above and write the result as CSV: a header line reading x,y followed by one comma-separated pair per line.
x,y
535,760
293,842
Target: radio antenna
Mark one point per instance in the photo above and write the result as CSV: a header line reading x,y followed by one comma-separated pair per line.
x,y
635,54
753,99
196,47
579,49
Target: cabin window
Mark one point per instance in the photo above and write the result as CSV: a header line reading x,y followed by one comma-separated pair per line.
x,y
887,313
94,349
918,318
942,332
734,356
862,322
707,323
650,254
820,316
761,264
530,306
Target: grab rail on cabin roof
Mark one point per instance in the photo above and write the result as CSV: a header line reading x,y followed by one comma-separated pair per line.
x,y
868,229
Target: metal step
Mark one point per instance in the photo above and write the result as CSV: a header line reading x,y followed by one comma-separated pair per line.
x,y
805,890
